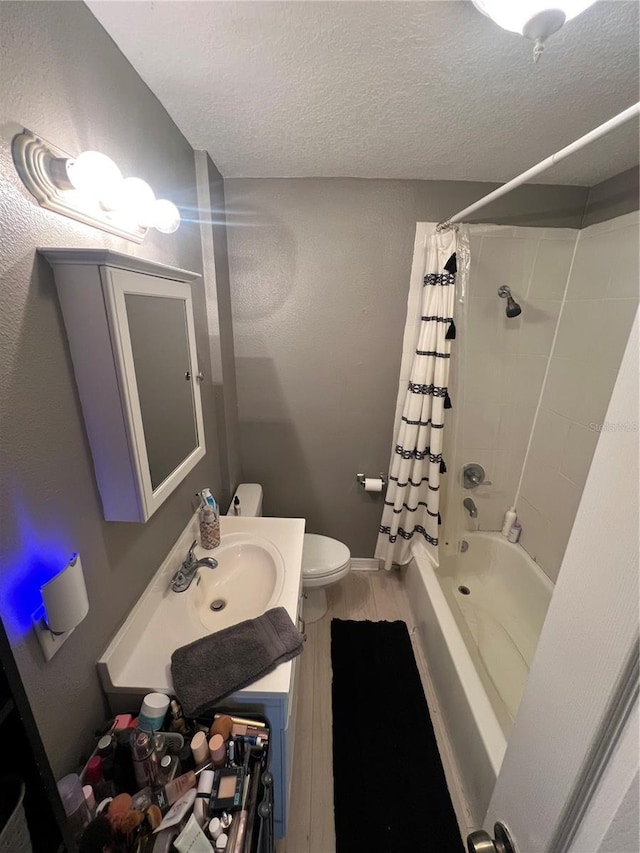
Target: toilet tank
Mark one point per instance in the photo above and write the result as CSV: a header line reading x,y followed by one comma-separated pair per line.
x,y
250,500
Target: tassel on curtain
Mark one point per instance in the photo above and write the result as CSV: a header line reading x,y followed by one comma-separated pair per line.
x,y
411,507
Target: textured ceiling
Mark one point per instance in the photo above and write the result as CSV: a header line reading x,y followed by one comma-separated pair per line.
x,y
430,90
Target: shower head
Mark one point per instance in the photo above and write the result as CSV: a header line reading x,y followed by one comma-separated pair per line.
x,y
513,309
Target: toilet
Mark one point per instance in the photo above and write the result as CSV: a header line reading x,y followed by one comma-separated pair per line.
x,y
324,560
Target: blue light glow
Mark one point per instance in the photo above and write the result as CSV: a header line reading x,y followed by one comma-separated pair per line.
x,y
40,557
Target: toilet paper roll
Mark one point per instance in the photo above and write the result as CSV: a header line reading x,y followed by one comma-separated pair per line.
x,y
373,484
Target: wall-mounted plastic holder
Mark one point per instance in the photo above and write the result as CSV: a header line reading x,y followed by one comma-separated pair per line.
x,y
65,604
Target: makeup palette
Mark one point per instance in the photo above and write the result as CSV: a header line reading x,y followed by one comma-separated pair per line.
x,y
226,794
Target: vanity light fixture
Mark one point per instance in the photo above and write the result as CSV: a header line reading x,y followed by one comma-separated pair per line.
x,y
64,606
534,19
91,189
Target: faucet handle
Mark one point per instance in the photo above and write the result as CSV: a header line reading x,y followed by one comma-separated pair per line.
x,y
473,475
190,555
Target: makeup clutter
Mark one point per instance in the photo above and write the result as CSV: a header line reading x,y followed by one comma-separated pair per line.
x,y
161,783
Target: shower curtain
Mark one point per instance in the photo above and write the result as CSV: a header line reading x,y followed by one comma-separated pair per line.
x,y
412,501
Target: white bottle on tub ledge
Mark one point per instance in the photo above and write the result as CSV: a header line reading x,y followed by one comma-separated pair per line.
x,y
509,520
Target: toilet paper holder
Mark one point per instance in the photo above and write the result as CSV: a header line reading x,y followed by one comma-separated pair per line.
x,y
362,477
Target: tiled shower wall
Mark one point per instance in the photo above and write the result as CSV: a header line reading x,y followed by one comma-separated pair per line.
x,y
506,358
596,318
575,339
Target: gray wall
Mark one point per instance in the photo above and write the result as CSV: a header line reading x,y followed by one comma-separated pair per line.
x,y
320,277
613,197
63,78
213,231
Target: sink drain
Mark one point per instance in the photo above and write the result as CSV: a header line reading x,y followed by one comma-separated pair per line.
x,y
217,605
464,590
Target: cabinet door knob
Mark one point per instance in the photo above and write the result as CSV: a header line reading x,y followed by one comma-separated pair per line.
x,y
187,375
200,376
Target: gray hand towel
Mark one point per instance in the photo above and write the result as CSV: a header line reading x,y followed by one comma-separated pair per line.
x,y
210,668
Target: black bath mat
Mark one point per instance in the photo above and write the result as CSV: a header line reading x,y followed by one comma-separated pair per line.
x,y
390,792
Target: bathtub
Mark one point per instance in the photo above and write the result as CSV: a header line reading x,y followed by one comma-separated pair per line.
x,y
478,616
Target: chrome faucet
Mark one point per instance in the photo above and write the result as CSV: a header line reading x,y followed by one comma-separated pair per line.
x,y
470,507
182,579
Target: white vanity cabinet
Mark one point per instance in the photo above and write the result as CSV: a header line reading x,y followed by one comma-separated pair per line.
x,y
131,333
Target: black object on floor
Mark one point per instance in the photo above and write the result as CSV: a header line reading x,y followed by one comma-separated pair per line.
x,y
390,791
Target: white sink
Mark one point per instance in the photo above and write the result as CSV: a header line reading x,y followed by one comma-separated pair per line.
x,y
248,580
259,567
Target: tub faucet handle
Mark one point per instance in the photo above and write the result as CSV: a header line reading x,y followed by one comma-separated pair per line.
x,y
473,475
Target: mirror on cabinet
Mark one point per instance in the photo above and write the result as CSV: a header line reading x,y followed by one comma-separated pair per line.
x,y
160,348
131,332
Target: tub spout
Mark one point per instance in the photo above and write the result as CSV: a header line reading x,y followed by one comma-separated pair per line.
x,y
470,507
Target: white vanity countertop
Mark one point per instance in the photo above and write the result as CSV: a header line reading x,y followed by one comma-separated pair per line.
x,y
138,659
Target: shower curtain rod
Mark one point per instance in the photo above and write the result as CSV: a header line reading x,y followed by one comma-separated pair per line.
x,y
543,165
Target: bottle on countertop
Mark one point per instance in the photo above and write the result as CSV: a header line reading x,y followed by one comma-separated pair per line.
x,y
514,533
145,757
160,743
74,803
94,776
123,771
106,746
178,722
209,521
89,798
174,789
169,769
165,796
510,517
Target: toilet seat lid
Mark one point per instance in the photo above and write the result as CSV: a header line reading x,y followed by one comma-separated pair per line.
x,y
322,555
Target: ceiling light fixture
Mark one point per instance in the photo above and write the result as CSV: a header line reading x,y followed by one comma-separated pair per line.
x,y
534,19
91,189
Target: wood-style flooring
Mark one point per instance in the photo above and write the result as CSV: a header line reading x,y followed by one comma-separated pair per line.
x,y
361,595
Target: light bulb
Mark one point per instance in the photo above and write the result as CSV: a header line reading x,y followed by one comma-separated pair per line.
x,y
133,199
93,173
514,16
166,216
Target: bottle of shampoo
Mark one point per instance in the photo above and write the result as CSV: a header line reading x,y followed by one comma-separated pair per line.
x,y
209,521
509,520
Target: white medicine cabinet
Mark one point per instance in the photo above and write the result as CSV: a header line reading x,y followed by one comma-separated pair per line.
x,y
131,334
